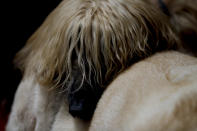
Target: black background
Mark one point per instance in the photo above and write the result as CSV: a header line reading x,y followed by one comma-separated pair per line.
x,y
19,20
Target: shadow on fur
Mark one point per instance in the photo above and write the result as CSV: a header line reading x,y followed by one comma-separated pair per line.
x,y
83,45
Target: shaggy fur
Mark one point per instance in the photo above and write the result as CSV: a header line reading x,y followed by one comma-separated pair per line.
x,y
183,17
84,44
163,96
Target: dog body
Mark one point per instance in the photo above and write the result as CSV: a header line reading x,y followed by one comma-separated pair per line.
x,y
61,73
156,94
84,44
36,108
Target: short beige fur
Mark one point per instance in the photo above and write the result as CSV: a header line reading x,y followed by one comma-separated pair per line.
x,y
156,94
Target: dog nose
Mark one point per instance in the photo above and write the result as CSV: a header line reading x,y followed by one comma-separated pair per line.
x,y
82,103
75,108
80,109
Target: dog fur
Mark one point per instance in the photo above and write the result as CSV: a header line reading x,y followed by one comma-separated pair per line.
x,y
162,98
156,94
183,17
84,44
36,108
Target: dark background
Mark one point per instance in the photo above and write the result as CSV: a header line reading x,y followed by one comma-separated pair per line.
x,y
20,19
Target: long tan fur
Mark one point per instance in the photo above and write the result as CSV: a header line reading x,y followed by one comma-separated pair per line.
x,y
183,17
96,33
84,35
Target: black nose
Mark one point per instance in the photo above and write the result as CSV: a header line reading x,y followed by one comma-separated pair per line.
x,y
81,109
76,107
82,102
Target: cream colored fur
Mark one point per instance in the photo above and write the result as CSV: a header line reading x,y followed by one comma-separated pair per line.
x,y
49,53
157,94
38,109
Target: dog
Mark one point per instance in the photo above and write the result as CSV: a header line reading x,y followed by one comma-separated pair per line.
x,y
183,18
162,97
84,44
156,94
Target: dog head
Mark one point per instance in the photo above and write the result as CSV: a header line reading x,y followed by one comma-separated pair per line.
x,y
87,43
98,38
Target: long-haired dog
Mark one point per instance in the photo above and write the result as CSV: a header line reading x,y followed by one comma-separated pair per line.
x,y
80,48
183,17
162,98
